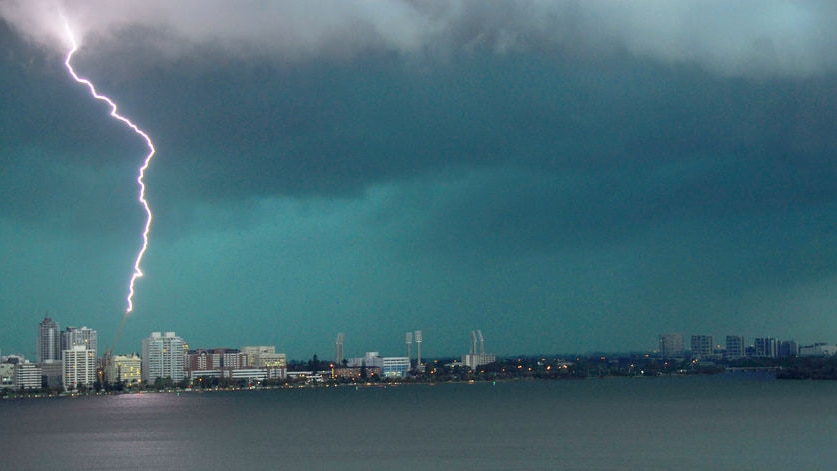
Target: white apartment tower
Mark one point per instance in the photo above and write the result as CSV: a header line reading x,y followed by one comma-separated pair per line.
x,y
163,356
79,367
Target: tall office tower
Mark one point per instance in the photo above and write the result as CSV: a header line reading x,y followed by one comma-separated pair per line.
x,y
702,347
163,356
49,341
765,347
671,345
79,367
75,337
735,348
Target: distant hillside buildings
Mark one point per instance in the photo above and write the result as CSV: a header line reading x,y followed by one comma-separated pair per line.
x,y
735,348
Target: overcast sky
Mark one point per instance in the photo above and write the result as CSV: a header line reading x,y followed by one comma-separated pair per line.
x,y
566,176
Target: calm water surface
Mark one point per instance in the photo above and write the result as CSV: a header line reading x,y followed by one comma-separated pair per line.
x,y
601,424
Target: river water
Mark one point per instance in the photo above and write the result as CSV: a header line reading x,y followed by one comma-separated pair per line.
x,y
690,423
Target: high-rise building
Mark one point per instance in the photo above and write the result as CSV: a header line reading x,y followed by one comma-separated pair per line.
x,y
702,347
788,349
79,367
49,341
671,345
163,356
765,347
75,337
735,348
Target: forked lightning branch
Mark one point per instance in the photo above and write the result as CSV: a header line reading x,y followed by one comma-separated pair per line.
x,y
137,273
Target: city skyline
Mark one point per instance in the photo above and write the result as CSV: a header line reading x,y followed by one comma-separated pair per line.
x,y
473,345
168,359
570,176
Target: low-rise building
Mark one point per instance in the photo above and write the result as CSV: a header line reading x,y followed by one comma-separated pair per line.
x,y
818,350
125,369
27,376
7,375
475,360
395,367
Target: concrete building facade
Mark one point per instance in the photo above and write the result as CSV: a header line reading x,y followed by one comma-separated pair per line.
x,y
126,369
163,356
79,366
735,347
75,336
765,347
395,367
702,347
27,376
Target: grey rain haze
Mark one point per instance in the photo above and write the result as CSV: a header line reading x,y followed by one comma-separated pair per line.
x,y
564,175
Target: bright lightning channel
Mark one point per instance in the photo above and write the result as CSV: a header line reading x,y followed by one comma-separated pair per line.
x,y
140,178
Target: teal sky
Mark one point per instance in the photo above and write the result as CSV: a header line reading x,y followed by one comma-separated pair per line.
x,y
564,176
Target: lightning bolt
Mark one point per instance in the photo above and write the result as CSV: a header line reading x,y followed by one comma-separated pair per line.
x,y
141,174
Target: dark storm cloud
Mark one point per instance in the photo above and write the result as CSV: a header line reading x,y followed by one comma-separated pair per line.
x,y
736,38
680,142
